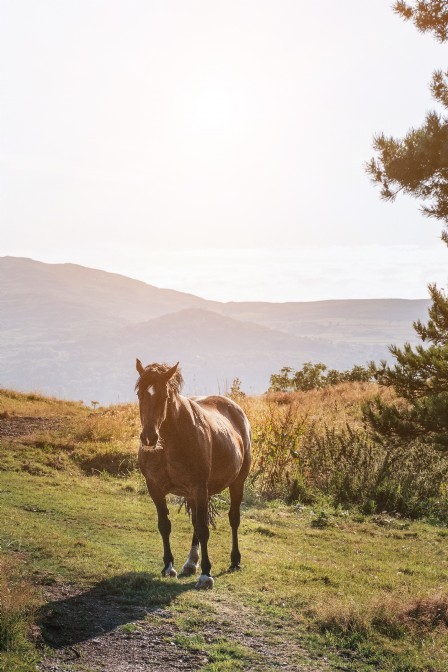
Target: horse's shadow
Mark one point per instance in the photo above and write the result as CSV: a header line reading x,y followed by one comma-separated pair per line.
x,y
75,616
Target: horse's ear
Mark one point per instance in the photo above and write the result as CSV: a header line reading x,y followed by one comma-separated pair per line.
x,y
139,366
170,373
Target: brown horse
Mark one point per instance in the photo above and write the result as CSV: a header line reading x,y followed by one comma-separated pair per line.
x,y
193,447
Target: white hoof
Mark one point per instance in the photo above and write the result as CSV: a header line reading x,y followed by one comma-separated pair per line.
x,y
192,564
205,582
189,569
170,571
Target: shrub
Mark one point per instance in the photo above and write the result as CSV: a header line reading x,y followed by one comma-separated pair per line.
x,y
235,392
276,436
315,376
351,468
311,444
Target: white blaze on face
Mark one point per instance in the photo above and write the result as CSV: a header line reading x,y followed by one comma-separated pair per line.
x,y
151,390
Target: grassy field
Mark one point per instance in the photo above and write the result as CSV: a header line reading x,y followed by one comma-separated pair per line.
x,y
322,587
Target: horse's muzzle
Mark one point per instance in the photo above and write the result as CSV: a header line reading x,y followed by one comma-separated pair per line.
x,y
149,449
148,443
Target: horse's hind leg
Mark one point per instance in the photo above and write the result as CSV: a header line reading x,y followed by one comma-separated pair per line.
x,y
192,563
236,497
164,525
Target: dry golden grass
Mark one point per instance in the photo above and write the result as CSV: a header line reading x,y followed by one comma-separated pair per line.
x,y
104,440
33,404
335,405
386,614
308,445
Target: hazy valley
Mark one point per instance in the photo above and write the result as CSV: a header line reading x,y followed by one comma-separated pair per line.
x,y
74,332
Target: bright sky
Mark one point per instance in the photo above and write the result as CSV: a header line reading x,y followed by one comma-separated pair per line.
x,y
215,147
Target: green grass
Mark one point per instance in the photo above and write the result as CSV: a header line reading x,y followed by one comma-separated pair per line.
x,y
368,592
316,585
17,608
222,654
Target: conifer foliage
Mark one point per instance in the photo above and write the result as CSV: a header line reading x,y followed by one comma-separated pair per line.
x,y
427,15
420,377
418,165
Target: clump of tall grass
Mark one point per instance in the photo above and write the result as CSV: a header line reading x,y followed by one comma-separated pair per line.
x,y
116,423
17,603
104,440
388,616
393,631
277,433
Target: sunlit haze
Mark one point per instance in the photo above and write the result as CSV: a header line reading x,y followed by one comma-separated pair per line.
x,y
215,148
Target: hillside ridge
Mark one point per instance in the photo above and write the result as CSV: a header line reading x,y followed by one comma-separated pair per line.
x,y
72,331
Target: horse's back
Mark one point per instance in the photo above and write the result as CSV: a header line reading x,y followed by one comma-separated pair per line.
x,y
216,408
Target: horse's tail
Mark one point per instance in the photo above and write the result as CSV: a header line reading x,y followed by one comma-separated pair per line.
x,y
212,513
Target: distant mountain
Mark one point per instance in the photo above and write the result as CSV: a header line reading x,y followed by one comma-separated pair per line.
x,y
74,332
85,291
358,320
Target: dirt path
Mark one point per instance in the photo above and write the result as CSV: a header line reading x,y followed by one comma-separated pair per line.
x,y
93,631
88,630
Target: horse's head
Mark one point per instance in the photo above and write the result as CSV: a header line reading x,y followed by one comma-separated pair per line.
x,y
156,384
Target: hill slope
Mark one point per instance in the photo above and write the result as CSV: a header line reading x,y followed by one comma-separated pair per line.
x,y
81,557
75,332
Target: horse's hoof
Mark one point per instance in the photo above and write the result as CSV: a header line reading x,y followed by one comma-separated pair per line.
x,y
235,568
205,582
169,571
189,569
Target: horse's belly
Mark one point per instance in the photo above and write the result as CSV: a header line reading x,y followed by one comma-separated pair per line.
x,y
226,466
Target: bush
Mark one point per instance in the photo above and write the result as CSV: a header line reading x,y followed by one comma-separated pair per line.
x,y
314,444
315,376
352,469
276,435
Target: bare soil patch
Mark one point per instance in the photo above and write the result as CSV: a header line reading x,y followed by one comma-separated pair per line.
x,y
91,630
13,427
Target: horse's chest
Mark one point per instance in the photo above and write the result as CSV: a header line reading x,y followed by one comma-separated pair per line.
x,y
167,476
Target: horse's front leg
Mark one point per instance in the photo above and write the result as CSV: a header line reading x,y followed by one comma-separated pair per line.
x,y
192,563
202,534
164,525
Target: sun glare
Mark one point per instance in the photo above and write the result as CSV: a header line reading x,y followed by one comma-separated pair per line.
x,y
213,110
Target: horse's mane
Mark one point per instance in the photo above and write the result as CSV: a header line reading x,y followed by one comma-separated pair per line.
x,y
152,375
